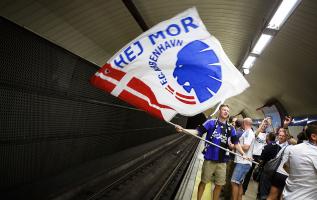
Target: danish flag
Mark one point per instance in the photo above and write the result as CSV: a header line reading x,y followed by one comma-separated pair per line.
x,y
174,67
135,92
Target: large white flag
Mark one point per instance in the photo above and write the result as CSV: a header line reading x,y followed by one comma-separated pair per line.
x,y
175,67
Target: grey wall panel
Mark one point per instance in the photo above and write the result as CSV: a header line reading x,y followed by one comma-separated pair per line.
x,y
51,118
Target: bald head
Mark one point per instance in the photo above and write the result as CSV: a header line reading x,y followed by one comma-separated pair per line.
x,y
247,123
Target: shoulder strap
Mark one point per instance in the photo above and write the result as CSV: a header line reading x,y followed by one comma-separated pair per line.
x,y
283,151
229,129
215,125
281,155
277,149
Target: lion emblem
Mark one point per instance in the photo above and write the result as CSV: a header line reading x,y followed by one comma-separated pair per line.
x,y
198,68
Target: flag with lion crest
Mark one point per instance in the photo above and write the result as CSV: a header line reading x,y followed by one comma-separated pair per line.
x,y
174,67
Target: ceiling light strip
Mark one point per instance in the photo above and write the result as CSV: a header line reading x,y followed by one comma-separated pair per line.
x,y
285,9
282,13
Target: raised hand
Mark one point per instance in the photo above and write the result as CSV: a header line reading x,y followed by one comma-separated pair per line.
x,y
268,120
287,121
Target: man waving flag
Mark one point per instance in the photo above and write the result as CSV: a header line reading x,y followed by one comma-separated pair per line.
x,y
175,67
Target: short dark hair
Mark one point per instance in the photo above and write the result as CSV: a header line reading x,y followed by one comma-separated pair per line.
x,y
311,128
223,105
278,129
239,123
230,119
301,137
271,136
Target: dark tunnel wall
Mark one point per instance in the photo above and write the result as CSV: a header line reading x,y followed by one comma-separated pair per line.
x,y
51,118
194,121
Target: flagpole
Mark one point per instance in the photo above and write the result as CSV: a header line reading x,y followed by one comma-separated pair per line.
x,y
196,136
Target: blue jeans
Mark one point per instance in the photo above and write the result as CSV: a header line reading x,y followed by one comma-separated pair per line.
x,y
239,173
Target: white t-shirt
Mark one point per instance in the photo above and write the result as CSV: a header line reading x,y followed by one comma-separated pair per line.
x,y
246,138
259,143
282,144
302,180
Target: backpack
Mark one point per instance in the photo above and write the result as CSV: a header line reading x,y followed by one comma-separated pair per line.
x,y
257,172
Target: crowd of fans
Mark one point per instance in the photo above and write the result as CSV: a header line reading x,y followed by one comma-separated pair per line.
x,y
296,175
257,151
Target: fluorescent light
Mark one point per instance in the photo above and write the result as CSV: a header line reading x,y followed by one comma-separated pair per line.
x,y
246,71
261,43
282,13
248,63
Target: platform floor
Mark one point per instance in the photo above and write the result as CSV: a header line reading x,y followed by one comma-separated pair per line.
x,y
249,195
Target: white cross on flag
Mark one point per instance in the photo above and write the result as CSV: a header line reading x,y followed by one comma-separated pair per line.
x,y
174,67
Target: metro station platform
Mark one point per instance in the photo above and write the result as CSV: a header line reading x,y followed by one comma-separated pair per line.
x,y
189,186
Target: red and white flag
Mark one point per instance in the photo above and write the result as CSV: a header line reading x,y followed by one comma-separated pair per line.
x,y
174,67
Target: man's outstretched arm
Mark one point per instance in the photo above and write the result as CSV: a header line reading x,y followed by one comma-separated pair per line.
x,y
180,129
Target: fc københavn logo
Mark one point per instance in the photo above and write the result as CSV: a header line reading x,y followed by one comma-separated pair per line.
x,y
198,68
174,67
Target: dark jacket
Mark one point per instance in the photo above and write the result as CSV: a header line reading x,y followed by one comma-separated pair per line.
x,y
269,152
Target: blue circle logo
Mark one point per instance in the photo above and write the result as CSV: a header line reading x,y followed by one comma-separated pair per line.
x,y
198,68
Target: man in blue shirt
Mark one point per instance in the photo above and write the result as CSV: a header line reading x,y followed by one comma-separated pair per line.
x,y
218,132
